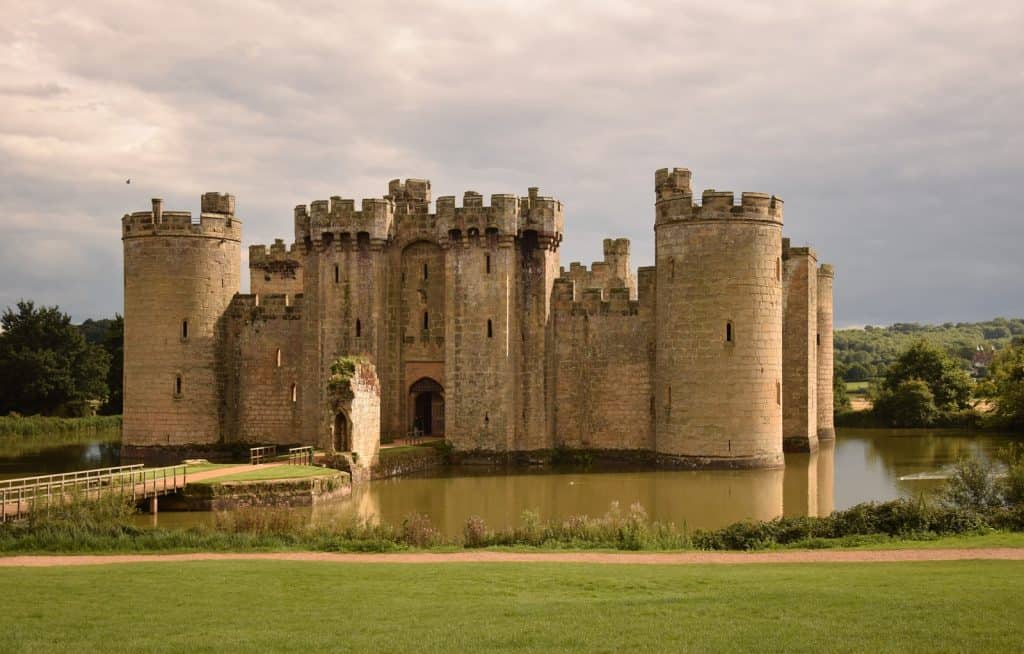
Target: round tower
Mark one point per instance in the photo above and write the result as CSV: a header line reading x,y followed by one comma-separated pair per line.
x,y
718,367
179,277
826,426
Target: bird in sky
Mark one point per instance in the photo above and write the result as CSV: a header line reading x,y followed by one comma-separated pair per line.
x,y
128,181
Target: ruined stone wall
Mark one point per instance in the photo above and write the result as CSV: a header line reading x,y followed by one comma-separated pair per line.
x,y
826,427
718,377
603,359
274,271
264,347
799,349
177,272
358,400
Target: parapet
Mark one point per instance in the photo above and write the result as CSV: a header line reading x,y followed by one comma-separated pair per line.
x,y
276,256
568,299
216,220
618,246
675,203
825,270
339,216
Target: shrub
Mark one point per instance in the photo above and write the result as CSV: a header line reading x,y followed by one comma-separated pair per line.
x,y
418,531
972,486
475,532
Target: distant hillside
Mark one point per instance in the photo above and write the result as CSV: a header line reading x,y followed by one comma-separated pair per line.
x,y
865,353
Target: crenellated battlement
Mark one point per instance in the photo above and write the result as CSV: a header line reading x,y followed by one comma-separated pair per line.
x,y
826,270
675,202
216,220
788,251
569,299
339,216
614,272
500,217
262,256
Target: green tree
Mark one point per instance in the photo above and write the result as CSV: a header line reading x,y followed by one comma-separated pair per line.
x,y
1005,387
910,404
46,365
840,398
949,384
113,343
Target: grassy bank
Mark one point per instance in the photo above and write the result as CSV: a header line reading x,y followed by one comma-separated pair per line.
x,y
44,426
302,607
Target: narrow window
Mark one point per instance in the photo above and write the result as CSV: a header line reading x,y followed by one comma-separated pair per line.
x,y
728,332
424,271
177,385
426,320
817,337
490,329
184,330
278,357
295,393
672,269
668,404
359,328
337,273
778,269
488,263
778,392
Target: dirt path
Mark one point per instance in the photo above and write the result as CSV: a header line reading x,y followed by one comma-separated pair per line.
x,y
233,470
679,558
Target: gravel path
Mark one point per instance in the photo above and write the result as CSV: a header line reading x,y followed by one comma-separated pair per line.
x,y
678,558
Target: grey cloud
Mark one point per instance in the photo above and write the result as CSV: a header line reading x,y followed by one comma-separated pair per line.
x,y
891,129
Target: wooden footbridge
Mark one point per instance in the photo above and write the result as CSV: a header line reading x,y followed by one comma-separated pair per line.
x,y
19,497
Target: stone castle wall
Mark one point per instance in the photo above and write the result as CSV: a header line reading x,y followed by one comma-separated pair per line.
x,y
179,277
264,345
684,358
603,368
799,349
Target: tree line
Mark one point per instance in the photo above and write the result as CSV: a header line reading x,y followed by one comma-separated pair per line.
x,y
49,366
926,386
864,354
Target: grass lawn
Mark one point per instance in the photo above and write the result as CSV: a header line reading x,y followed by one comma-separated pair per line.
x,y
303,607
194,468
858,386
277,472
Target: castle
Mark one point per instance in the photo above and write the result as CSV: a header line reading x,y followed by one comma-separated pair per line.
x,y
389,317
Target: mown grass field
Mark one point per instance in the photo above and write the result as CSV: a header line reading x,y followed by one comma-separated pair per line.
x,y
302,607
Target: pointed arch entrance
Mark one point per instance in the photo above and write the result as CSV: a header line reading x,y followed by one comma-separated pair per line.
x,y
426,404
342,433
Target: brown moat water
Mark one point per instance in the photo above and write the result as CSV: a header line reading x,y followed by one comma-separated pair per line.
x,y
862,465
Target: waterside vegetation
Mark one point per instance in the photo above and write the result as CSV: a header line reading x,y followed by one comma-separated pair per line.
x,y
975,501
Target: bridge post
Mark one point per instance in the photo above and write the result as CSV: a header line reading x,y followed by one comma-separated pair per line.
x,y
153,505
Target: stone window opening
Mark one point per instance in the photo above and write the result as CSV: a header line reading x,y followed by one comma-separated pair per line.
x,y
337,273
778,269
184,330
487,263
177,386
817,337
490,328
672,270
778,392
295,393
426,321
728,331
278,357
359,328
425,271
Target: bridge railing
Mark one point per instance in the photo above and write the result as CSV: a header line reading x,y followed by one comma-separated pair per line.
x,y
300,456
258,455
20,496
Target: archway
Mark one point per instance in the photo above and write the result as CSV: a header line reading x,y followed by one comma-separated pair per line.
x,y
341,433
426,400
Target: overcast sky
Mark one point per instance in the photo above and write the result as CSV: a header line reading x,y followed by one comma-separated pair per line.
x,y
892,130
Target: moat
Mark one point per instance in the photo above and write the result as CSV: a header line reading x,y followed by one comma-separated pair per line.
x,y
863,465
